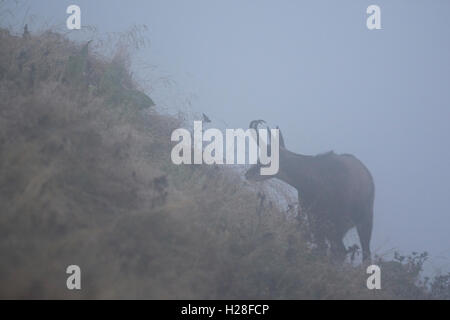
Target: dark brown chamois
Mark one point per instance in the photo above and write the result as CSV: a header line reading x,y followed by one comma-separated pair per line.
x,y
335,191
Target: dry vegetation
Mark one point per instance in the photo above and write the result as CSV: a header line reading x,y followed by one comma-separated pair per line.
x,y
86,179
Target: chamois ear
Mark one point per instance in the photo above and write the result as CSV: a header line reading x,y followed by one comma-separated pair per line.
x,y
281,138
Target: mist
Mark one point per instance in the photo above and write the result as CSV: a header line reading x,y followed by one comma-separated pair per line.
x,y
315,70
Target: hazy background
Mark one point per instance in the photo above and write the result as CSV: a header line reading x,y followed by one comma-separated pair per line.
x,y
313,68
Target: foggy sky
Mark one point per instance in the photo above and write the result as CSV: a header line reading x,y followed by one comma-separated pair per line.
x,y
313,68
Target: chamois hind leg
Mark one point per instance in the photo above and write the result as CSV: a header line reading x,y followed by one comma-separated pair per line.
x,y
364,229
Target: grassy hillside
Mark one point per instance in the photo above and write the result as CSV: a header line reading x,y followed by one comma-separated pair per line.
x,y
86,179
